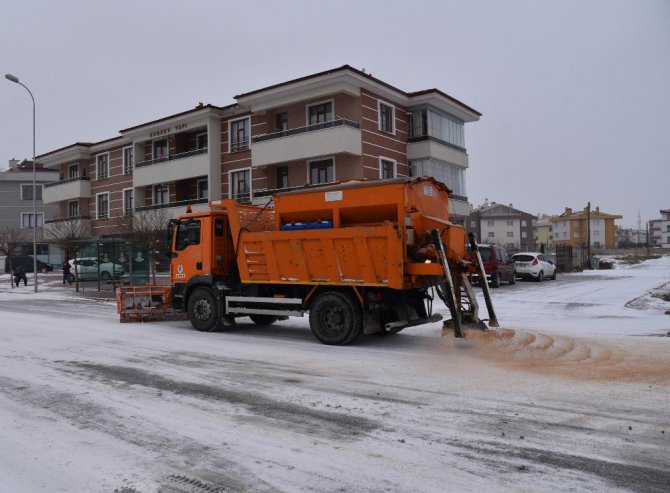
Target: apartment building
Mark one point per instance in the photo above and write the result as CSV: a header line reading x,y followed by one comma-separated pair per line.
x,y
16,197
502,225
337,125
573,228
543,231
659,230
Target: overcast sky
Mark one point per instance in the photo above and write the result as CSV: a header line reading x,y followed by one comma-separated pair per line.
x,y
575,95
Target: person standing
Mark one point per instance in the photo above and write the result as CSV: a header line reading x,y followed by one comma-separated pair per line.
x,y
20,273
67,277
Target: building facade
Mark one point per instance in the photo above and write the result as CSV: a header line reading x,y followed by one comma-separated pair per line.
x,y
16,196
574,228
502,225
342,124
543,231
659,230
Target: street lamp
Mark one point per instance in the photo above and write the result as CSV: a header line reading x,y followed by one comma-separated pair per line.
x,y
15,79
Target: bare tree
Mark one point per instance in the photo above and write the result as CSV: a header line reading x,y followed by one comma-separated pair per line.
x,y
11,238
145,229
68,234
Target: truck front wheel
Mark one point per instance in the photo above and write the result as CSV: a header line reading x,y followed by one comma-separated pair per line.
x,y
203,311
335,318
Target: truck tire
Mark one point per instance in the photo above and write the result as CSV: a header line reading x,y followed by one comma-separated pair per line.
x,y
203,311
263,319
335,318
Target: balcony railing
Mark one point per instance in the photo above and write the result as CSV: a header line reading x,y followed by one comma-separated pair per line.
x,y
308,128
170,204
67,180
182,155
64,219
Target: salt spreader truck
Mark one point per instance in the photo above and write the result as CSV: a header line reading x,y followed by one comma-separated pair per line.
x,y
360,257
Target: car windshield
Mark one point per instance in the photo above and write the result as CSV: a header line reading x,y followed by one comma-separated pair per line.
x,y
523,258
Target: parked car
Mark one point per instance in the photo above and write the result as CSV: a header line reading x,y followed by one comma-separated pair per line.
x,y
27,262
87,268
532,265
497,265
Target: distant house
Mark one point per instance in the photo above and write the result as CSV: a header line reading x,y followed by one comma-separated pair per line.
x,y
574,228
659,230
543,232
16,204
502,225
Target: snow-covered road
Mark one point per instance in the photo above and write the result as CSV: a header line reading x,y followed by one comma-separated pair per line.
x,y
571,395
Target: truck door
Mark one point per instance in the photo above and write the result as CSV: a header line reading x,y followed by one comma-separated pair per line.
x,y
188,255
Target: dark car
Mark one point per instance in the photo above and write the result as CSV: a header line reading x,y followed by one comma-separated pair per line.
x,y
27,262
498,265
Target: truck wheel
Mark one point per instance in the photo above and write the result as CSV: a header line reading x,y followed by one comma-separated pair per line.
x,y
335,318
203,310
263,319
105,276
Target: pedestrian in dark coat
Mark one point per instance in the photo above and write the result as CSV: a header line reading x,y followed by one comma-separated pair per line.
x,y
20,273
67,277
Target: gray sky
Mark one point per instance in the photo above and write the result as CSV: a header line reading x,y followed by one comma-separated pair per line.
x,y
575,94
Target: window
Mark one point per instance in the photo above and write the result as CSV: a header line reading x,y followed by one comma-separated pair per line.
x,y
127,160
510,234
523,234
565,234
576,234
523,223
596,233
510,222
429,123
510,246
27,192
491,234
239,135
281,122
28,220
473,224
596,243
73,208
201,141
387,168
160,149
128,198
161,194
490,223
73,171
321,172
320,113
452,175
240,184
102,165
102,201
42,248
203,189
282,177
188,233
556,236
386,118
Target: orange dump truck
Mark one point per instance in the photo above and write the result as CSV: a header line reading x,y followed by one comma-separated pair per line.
x,y
361,257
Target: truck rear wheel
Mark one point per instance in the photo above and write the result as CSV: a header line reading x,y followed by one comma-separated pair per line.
x,y
203,311
335,318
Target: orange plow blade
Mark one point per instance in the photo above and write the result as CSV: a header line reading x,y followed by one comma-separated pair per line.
x,y
145,303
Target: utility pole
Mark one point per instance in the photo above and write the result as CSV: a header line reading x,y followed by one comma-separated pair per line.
x,y
588,235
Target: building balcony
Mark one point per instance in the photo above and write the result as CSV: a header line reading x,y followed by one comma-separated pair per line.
x,y
334,137
174,209
427,147
69,189
182,166
76,227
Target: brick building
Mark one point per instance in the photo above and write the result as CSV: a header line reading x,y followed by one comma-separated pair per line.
x,y
336,125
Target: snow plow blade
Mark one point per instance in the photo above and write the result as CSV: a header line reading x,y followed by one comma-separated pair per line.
x,y
145,303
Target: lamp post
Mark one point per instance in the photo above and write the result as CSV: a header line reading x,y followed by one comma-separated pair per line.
x,y
15,79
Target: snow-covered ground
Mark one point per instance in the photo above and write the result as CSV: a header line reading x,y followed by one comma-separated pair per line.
x,y
571,394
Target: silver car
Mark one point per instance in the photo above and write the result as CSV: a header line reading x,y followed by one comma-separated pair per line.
x,y
532,265
88,268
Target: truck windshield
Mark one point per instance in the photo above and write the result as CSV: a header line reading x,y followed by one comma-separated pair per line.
x,y
188,233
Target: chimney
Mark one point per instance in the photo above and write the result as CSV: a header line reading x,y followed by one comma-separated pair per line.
x,y
13,163
597,210
568,211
